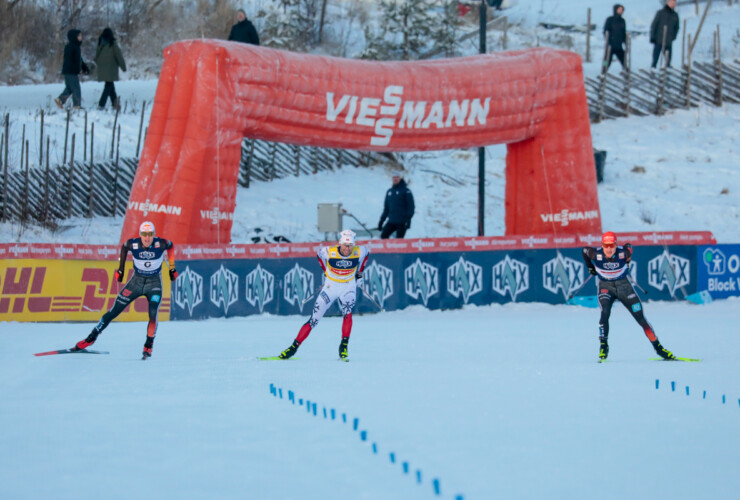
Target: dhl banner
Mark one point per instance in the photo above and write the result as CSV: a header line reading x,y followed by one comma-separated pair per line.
x,y
67,290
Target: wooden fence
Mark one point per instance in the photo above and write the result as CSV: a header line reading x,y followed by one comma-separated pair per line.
x,y
47,195
653,92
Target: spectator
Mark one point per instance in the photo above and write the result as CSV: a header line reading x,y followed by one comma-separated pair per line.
x,y
243,31
615,30
108,59
72,66
666,19
398,209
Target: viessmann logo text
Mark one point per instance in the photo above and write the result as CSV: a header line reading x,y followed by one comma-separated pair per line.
x,y
566,216
392,112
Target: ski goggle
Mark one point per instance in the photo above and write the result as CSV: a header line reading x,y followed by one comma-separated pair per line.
x,y
608,245
147,233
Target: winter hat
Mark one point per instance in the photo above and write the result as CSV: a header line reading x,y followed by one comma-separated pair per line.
x,y
347,237
609,238
146,227
397,173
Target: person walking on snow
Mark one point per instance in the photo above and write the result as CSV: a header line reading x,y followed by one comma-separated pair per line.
x,y
244,31
342,265
615,31
72,66
398,208
148,253
108,58
610,265
665,20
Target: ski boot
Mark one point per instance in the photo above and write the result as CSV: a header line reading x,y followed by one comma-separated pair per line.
x,y
343,348
147,353
89,340
290,351
603,349
662,351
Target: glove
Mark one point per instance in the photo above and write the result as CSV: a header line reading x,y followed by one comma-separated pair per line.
x,y
628,246
408,224
380,225
592,270
85,69
173,274
119,275
359,278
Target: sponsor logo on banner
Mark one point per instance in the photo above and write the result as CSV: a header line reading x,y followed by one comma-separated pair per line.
x,y
464,279
392,112
224,288
562,273
188,290
421,281
669,271
510,275
260,287
146,207
715,261
566,216
378,282
216,215
297,285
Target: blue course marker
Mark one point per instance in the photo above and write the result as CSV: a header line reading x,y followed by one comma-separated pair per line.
x,y
363,435
280,391
333,414
704,396
723,399
435,485
418,476
673,386
657,383
272,389
405,466
392,457
375,448
687,390
355,423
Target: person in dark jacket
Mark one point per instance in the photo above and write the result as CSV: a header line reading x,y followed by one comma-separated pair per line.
x,y
108,58
666,19
243,31
72,66
615,31
398,209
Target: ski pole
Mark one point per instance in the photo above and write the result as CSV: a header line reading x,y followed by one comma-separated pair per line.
x,y
575,292
312,294
371,298
634,283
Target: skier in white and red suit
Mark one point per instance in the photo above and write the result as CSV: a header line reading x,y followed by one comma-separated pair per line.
x,y
343,265
610,265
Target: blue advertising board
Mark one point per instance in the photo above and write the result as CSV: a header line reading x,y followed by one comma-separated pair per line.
x,y
442,280
718,270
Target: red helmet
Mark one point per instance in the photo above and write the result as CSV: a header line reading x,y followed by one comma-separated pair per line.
x,y
608,239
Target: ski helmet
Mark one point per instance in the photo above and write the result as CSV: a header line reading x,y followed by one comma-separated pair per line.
x,y
146,227
347,237
609,239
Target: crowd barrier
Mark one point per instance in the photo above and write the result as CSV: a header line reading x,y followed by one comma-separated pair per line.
x,y
58,282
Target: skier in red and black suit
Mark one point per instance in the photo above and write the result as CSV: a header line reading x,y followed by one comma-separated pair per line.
x,y
610,265
148,253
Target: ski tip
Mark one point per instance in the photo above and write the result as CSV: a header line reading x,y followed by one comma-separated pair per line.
x,y
275,358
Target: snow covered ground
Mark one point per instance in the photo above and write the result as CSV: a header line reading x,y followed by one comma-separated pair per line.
x,y
493,402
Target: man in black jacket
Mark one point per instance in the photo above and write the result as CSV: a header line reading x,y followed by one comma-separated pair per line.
x,y
615,31
666,20
243,31
398,209
72,66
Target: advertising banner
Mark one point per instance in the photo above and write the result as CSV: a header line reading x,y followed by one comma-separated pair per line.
x,y
448,280
66,290
718,270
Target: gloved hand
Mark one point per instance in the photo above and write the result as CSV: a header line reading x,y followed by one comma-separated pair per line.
x,y
173,274
359,278
85,69
592,270
408,224
380,225
119,275
628,246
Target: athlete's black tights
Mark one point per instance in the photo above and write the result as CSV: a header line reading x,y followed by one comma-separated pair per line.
x,y
610,291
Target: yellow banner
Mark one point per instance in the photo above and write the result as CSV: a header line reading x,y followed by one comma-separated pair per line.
x,y
72,290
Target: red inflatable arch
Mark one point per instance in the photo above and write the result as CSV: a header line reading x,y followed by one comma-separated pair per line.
x,y
211,94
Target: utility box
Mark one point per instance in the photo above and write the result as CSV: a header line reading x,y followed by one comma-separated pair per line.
x,y
330,217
